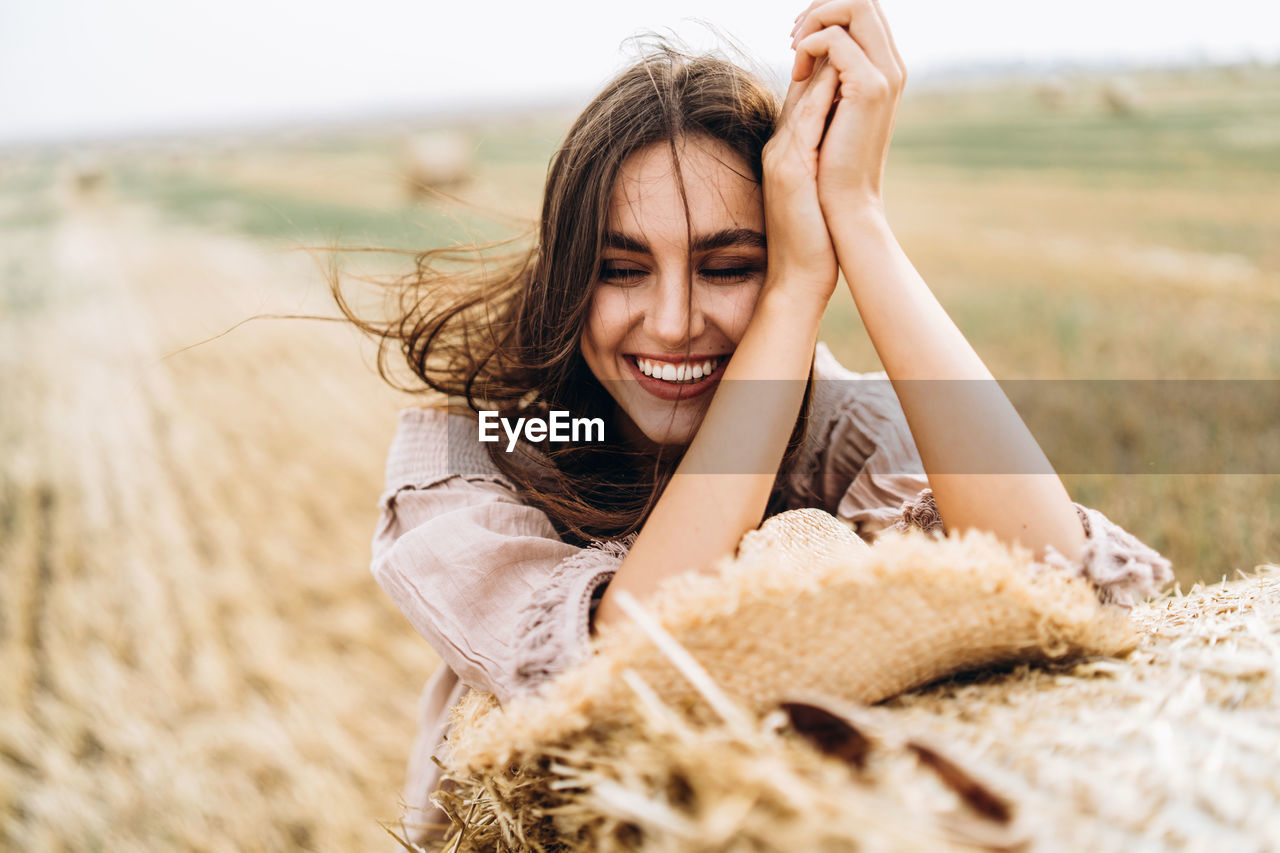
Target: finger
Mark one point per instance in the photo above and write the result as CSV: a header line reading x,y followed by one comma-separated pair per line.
x,y
806,57
893,45
863,20
797,94
800,18
864,24
794,92
816,44
902,66
814,106
859,78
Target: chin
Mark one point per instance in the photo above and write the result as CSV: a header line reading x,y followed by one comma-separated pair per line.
x,y
660,429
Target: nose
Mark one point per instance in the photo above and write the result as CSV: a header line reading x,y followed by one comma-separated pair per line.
x,y
672,317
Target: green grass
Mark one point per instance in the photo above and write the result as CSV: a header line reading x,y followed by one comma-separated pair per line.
x,y
31,174
29,184
1186,130
532,146
276,216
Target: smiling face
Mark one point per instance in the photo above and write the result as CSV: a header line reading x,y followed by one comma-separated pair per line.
x,y
666,313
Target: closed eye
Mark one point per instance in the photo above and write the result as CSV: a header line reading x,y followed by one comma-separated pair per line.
x,y
621,275
730,275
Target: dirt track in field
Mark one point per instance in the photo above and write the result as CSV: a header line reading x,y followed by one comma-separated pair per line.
x,y
195,655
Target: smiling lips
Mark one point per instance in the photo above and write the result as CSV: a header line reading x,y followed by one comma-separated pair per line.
x,y
681,380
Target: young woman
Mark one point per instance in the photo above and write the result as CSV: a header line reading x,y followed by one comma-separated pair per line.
x,y
691,236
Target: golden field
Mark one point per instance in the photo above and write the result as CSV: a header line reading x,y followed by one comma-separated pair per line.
x,y
194,653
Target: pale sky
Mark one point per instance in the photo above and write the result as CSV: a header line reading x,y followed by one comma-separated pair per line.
x,y
72,68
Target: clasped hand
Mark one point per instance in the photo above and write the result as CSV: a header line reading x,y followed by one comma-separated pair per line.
x,y
826,159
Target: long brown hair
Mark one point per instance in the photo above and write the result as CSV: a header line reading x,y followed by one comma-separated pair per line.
x,y
497,328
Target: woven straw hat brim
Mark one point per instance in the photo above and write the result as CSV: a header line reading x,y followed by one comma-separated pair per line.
x,y
807,608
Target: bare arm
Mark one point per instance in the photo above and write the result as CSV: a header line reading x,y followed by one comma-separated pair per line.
x,y
964,425
960,427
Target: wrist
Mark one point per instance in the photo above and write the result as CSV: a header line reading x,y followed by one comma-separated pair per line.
x,y
856,208
861,234
783,295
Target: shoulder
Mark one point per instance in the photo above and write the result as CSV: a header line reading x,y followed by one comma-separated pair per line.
x,y
434,444
442,485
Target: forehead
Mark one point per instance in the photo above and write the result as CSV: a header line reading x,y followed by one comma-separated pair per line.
x,y
646,201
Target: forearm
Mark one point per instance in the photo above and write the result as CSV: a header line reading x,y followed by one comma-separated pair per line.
x,y
985,468
703,512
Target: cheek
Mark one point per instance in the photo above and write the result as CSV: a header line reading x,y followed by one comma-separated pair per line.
x,y
608,320
735,309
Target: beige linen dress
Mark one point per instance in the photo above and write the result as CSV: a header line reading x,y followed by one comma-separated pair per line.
x,y
507,604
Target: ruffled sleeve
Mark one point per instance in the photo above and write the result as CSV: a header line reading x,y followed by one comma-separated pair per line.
x,y
1122,569
554,625
482,576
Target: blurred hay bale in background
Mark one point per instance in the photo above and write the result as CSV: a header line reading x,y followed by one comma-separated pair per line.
x,y
88,178
1053,93
442,160
1122,97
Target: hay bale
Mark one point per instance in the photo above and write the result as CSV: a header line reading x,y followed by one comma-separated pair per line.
x,y
1176,746
780,783
84,177
1121,97
437,161
734,713
1052,94
1173,747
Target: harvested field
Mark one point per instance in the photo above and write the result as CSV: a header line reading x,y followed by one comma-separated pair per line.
x,y
194,653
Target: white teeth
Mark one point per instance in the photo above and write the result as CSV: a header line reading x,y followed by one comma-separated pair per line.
x,y
685,372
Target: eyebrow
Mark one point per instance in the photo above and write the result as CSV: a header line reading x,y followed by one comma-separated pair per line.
x,y
722,239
